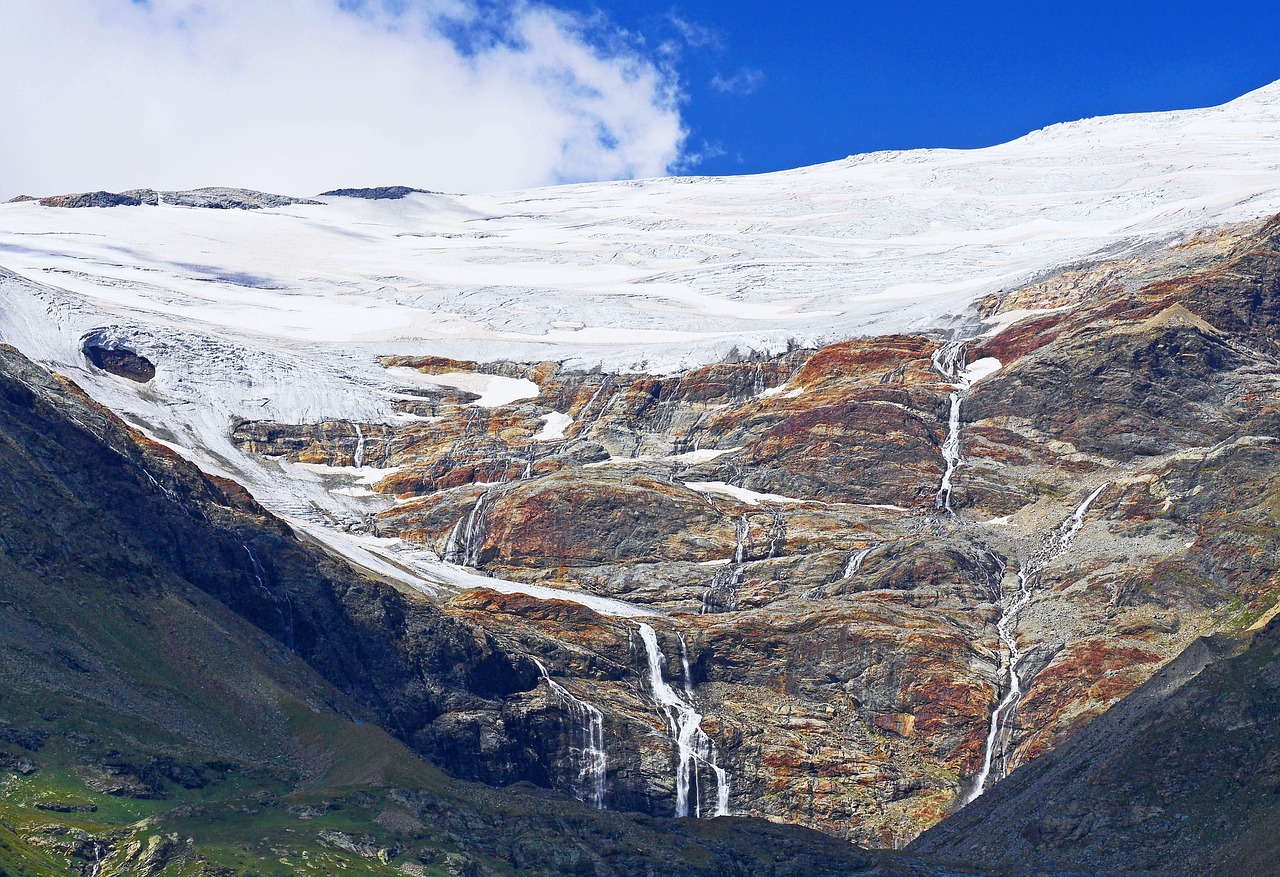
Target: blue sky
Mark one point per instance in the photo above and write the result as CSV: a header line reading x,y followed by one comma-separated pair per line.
x,y
484,95
827,79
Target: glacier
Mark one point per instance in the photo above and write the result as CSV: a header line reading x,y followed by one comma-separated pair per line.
x,y
281,313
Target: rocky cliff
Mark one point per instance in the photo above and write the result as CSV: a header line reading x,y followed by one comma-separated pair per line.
x,y
187,688
885,572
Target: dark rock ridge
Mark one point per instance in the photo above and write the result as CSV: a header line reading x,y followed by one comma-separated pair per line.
x,y
214,197
1120,470
377,193
129,198
432,681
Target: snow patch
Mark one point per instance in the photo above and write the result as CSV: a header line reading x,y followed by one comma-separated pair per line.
x,y
750,497
494,390
979,369
553,426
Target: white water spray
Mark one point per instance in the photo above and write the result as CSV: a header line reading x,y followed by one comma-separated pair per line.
x,y
949,362
359,455
468,534
588,747
684,724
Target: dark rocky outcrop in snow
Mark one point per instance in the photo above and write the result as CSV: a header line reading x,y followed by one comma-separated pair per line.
x,y
213,197
377,193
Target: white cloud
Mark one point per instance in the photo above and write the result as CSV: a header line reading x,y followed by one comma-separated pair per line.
x,y
746,81
298,96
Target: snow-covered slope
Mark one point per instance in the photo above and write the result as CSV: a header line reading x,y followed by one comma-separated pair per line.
x,y
280,313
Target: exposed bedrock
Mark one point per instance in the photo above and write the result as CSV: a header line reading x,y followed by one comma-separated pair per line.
x,y
1114,478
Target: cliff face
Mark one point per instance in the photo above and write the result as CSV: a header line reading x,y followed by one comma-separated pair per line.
x,y
847,545
186,688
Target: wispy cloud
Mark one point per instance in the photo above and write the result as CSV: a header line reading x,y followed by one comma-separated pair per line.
x,y
694,35
691,158
746,81
303,95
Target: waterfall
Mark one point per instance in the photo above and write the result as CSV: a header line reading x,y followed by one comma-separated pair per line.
x,y
468,534
777,533
722,594
684,665
359,456
604,385
855,561
999,734
851,567
284,610
588,747
949,362
667,407
684,725
99,850
1071,526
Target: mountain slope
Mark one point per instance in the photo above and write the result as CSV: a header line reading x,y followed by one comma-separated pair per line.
x,y
1180,778
157,716
850,585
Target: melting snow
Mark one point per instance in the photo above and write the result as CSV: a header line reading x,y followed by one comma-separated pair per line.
x,y
750,497
493,390
553,426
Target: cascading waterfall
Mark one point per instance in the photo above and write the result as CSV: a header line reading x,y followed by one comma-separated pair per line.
x,y
855,561
99,857
996,754
949,362
1071,526
603,387
359,455
467,536
684,725
999,731
284,610
851,567
722,594
588,746
684,666
777,533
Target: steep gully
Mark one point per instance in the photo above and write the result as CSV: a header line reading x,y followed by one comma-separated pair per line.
x,y
950,361
996,751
